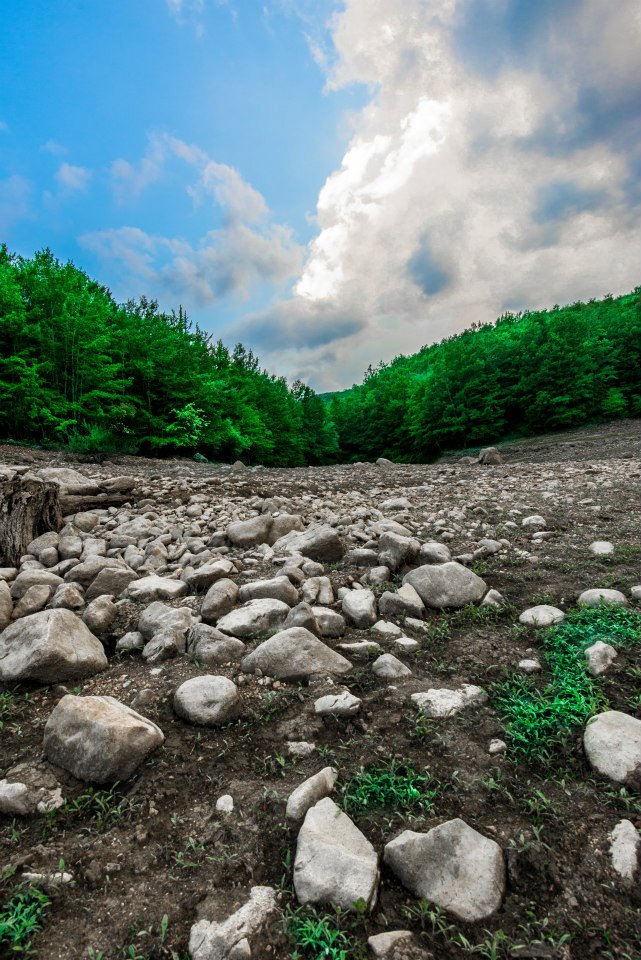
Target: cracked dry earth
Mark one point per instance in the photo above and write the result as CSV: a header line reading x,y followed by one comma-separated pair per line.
x,y
289,585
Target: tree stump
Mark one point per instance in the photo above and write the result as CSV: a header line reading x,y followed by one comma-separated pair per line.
x,y
28,508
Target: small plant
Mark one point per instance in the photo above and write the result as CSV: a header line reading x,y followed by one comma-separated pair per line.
x,y
21,918
395,786
102,808
319,938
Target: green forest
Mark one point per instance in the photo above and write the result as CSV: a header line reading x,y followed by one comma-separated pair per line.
x,y
78,369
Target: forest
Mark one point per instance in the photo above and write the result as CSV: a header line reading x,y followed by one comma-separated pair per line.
x,y
79,370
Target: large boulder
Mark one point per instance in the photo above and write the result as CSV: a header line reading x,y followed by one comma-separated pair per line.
x,y
294,654
159,617
49,646
451,865
319,542
446,585
249,533
99,739
255,618
335,863
612,743
278,588
209,701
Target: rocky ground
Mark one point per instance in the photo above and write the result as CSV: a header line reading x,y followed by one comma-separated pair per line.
x,y
307,743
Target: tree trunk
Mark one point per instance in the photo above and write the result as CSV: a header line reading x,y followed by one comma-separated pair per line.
x,y
28,507
77,503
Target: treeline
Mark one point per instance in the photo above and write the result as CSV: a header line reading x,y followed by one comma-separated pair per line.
x,y
79,369
526,373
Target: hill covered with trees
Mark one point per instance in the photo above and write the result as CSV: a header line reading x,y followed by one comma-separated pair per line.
x,y
79,369
526,373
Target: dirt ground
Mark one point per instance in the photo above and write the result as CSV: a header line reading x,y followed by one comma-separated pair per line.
x,y
156,846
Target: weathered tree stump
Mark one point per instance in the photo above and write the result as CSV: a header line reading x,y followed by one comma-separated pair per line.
x,y
28,507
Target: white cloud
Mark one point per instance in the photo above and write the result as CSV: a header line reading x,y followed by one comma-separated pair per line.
x,y
71,178
478,178
247,249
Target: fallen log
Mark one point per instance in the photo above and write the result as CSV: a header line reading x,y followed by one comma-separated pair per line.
x,y
28,507
78,503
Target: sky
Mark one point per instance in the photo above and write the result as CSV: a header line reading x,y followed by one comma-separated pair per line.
x,y
331,183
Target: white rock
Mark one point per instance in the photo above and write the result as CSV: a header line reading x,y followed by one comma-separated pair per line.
x,y
600,656
229,940
15,799
334,862
612,742
625,849
446,703
255,618
225,804
542,615
49,646
294,654
601,548
497,746
148,589
310,792
535,522
385,630
382,944
453,866
388,667
592,598
343,704
208,700
446,585
530,666
359,608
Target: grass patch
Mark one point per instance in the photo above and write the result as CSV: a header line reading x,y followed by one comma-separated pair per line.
x,y
21,918
394,786
318,937
101,808
537,721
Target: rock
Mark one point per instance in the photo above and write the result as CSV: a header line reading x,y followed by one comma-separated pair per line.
x,y
601,548
530,666
208,700
489,456
33,600
453,866
600,656
50,646
434,552
302,615
319,542
359,608
535,522
249,533
15,799
395,551
330,623
496,747
493,599
208,573
148,589
404,602
209,647
225,804
158,616
597,596
44,542
229,940
71,482
279,588
343,704
446,703
310,792
388,667
99,739
6,605
542,615
112,581
68,596
384,462
284,523
219,600
255,618
164,645
383,630
33,578
382,944
334,863
86,572
635,593
625,850
133,640
294,654
612,743
100,614
446,585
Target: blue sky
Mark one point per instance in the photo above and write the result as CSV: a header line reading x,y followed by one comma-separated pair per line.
x,y
331,182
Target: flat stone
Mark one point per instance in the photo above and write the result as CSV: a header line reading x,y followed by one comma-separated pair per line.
x,y
453,866
612,743
334,863
320,542
99,739
148,589
255,618
343,704
278,588
447,703
388,667
158,616
382,944
542,615
602,548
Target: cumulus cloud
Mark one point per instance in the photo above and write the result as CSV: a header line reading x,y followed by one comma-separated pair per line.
x,y
495,166
71,178
247,249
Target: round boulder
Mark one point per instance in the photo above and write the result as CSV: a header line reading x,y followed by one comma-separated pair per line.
x,y
208,701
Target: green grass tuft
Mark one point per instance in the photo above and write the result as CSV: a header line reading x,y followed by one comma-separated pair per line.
x,y
536,721
21,918
319,938
393,786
